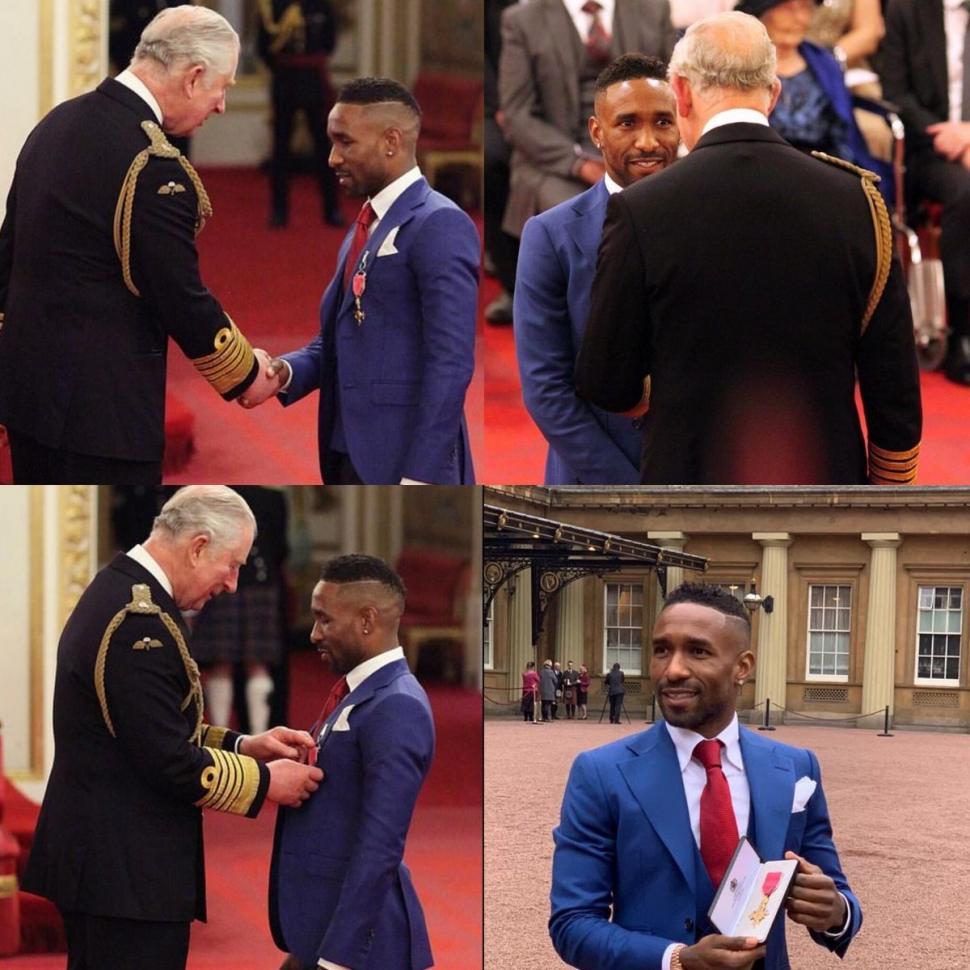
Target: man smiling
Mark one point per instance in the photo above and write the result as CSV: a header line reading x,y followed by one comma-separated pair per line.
x,y
634,126
649,822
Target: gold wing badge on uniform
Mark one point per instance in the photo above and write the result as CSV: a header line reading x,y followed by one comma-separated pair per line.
x,y
160,147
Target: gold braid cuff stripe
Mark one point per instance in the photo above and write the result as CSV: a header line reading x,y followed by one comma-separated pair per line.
x,y
161,147
231,361
213,737
231,782
141,602
881,226
892,467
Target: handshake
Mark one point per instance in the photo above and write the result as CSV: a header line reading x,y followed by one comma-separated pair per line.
x,y
273,374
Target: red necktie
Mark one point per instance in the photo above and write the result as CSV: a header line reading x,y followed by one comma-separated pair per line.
x,y
719,828
365,218
597,40
337,693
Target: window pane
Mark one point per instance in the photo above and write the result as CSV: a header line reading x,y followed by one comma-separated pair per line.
x,y
956,597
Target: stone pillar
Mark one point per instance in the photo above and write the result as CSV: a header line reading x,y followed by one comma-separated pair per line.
x,y
771,671
879,661
675,574
520,630
569,625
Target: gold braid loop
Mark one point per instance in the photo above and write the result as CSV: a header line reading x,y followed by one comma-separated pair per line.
x,y
141,603
160,147
881,226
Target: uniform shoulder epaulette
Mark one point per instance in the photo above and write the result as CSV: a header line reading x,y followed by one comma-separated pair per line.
x,y
142,605
159,147
881,227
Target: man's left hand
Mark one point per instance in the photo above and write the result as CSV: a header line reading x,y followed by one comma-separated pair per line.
x,y
814,901
277,742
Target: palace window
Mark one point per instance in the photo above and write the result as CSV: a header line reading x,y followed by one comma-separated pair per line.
x,y
829,628
938,631
623,627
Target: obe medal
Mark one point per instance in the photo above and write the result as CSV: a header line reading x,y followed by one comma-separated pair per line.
x,y
767,888
358,285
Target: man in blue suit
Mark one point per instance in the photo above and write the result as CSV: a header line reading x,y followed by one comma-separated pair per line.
x,y
340,897
647,829
395,352
635,127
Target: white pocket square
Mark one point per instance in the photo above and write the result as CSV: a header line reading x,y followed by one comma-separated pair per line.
x,y
342,723
387,247
804,789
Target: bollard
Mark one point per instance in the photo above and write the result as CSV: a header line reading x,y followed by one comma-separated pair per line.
x,y
766,724
885,729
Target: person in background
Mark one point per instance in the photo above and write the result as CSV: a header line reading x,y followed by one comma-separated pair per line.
x,y
615,690
570,680
547,690
530,688
582,691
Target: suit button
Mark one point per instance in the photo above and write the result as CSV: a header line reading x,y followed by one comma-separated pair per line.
x,y
689,925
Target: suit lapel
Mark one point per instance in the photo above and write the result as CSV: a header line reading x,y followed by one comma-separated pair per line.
x,y
401,210
562,30
585,228
365,692
655,781
771,778
625,31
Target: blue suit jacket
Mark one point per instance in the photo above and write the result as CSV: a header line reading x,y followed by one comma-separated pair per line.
x,y
557,262
404,370
338,888
624,840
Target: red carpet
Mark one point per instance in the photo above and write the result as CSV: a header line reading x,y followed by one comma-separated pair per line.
x,y
444,849
270,283
517,450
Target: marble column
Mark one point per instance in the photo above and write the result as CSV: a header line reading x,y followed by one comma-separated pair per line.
x,y
878,672
520,628
771,671
569,624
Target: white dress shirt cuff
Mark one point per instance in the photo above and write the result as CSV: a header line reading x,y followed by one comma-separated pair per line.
x,y
835,934
411,481
327,965
285,386
239,741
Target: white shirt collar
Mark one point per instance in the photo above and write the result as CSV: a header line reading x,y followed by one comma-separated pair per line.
x,y
611,186
361,672
686,740
134,83
144,558
390,193
952,4
734,116
575,8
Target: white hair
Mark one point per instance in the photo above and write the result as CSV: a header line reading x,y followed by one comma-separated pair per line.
x,y
185,36
215,511
728,50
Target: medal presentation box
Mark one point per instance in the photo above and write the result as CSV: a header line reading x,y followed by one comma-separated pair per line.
x,y
751,893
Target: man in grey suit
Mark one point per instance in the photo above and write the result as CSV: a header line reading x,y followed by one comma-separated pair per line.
x,y
552,52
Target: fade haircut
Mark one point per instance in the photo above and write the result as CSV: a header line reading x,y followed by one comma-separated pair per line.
x,y
215,511
377,90
729,50
704,594
183,36
358,568
627,67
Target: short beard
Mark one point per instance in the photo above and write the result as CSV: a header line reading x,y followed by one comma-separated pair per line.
x,y
692,720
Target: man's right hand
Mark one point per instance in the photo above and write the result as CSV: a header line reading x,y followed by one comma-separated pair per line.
x,y
291,963
716,952
273,374
290,783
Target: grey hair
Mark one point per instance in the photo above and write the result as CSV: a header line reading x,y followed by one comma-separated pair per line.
x,y
185,36
728,50
215,511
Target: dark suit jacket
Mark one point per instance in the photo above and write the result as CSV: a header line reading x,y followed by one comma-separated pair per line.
x,y
627,877
539,87
120,833
82,359
405,368
912,66
557,260
738,279
338,887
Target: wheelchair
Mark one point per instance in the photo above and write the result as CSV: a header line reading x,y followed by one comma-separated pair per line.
x,y
916,229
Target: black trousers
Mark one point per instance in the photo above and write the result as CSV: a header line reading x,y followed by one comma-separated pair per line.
x,y
616,706
547,710
296,89
109,943
503,248
340,469
36,464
